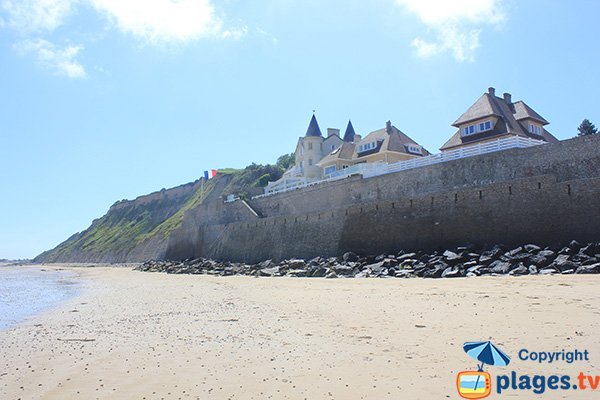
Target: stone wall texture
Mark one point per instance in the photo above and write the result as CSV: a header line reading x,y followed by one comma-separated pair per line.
x,y
547,194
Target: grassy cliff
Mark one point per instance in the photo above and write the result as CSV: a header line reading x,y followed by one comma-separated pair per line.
x,y
137,230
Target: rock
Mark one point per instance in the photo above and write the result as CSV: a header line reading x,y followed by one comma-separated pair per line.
x,y
513,252
319,272
474,269
404,273
406,256
520,270
539,260
296,272
435,271
350,257
485,260
376,268
590,250
499,267
533,270
451,272
562,263
590,261
296,263
363,274
343,270
532,248
547,253
575,246
547,271
274,271
589,269
450,256
330,275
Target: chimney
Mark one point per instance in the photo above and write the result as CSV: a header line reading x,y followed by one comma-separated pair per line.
x,y
333,131
492,91
388,127
357,138
508,98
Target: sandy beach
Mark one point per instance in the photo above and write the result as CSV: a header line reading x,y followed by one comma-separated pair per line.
x,y
134,335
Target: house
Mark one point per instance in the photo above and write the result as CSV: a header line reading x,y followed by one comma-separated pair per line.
x,y
311,148
492,117
387,145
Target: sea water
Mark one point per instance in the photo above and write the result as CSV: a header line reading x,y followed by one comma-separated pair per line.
x,y
26,291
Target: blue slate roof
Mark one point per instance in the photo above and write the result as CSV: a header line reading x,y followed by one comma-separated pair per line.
x,y
313,127
349,135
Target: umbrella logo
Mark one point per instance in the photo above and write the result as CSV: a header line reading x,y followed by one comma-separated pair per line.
x,y
478,384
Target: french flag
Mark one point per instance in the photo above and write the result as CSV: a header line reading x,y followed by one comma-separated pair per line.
x,y
210,174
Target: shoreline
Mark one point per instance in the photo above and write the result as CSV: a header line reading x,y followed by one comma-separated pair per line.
x,y
134,335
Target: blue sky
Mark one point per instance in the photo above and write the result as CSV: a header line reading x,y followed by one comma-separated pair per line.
x,y
102,100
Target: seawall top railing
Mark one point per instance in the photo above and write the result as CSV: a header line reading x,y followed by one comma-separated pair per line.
x,y
368,170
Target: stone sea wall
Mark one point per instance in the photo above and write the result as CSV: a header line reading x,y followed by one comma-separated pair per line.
x,y
548,194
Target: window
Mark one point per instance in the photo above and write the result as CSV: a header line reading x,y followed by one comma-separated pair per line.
x,y
332,147
480,127
535,129
310,146
321,148
367,146
413,148
310,161
330,170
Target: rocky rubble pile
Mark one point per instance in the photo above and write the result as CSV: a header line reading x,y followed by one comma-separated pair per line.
x,y
465,261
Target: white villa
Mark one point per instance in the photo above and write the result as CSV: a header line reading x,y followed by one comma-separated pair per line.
x,y
492,123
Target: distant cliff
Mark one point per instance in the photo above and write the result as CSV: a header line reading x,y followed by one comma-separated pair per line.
x,y
138,230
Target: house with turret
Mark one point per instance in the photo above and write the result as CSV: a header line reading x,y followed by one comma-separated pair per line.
x,y
492,123
492,117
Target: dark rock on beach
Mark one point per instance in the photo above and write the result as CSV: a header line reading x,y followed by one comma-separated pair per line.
x,y
464,261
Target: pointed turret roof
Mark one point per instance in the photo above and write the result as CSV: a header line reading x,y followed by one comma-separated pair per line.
x,y
349,135
313,127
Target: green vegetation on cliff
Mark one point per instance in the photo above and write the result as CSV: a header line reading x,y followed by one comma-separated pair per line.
x,y
119,235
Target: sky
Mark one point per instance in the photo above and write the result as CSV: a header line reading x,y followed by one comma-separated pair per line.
x,y
103,100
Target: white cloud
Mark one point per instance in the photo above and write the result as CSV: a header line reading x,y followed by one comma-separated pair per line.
x,y
60,61
36,15
162,21
456,24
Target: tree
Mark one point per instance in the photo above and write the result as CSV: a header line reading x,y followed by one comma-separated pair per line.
x,y
587,128
286,161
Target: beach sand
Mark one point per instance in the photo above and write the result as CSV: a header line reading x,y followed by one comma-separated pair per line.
x,y
134,335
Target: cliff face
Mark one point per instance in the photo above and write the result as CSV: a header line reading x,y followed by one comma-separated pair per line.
x,y
131,230
139,230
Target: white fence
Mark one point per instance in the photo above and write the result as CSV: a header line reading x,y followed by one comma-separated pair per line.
x,y
368,170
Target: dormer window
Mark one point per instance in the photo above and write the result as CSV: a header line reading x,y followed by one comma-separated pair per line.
x,y
413,148
477,128
535,129
367,146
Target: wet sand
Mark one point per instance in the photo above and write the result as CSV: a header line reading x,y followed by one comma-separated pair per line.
x,y
134,335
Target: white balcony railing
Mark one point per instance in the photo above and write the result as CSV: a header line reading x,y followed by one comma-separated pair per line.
x,y
368,170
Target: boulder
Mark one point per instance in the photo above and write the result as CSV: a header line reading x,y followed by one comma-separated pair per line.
x,y
350,257
519,270
273,271
451,272
500,267
589,269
